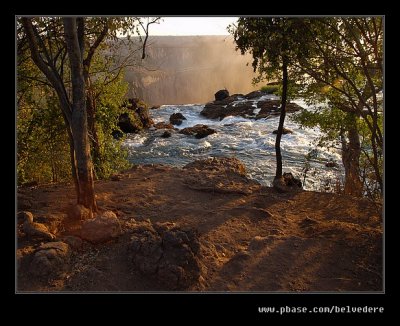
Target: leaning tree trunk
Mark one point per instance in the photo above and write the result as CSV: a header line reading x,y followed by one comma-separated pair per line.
x,y
278,173
351,151
79,127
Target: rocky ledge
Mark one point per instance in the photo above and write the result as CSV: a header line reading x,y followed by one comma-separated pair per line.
x,y
256,105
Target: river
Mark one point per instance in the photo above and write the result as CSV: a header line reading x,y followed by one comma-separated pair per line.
x,y
251,141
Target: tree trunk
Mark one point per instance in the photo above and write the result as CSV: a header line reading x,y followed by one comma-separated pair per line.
x,y
351,151
79,128
278,173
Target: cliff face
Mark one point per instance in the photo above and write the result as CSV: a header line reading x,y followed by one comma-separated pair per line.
x,y
189,69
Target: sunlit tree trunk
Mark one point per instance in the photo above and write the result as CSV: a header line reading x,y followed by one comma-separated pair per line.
x,y
79,127
351,151
282,116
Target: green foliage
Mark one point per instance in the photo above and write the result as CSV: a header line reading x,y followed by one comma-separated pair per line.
x,y
329,121
43,153
332,122
270,40
42,141
270,89
110,90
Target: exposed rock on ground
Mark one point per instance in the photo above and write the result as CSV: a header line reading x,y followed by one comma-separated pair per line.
x,y
252,238
102,228
50,259
168,253
79,212
220,175
287,183
34,230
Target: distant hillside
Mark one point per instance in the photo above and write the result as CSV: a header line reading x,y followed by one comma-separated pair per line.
x,y
189,69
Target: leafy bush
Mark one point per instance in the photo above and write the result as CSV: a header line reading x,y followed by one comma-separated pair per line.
x,y
270,89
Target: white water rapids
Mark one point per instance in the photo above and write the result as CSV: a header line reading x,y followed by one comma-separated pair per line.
x,y
249,140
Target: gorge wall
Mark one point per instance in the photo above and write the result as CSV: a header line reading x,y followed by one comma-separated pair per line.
x,y
189,69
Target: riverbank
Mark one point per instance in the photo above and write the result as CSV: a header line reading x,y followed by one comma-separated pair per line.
x,y
251,237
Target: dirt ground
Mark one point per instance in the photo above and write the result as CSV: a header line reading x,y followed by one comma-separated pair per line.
x,y
254,239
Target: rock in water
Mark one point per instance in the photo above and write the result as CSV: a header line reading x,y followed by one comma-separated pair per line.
x,y
284,131
166,134
199,131
221,94
36,230
177,118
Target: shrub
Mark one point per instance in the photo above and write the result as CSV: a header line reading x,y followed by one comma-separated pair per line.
x,y
270,89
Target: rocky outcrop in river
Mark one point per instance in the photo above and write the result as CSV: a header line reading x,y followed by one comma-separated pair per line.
x,y
245,106
135,119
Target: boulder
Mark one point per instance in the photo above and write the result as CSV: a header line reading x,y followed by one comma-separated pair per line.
x,y
221,94
102,228
79,212
144,117
176,118
73,241
136,118
128,124
331,164
291,181
163,125
254,94
22,216
167,253
220,165
284,131
229,99
166,134
287,183
50,259
54,222
199,131
213,111
36,230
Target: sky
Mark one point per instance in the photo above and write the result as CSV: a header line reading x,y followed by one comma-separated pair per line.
x,y
192,26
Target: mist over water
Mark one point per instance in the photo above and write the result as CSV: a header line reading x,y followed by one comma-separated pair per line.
x,y
189,69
